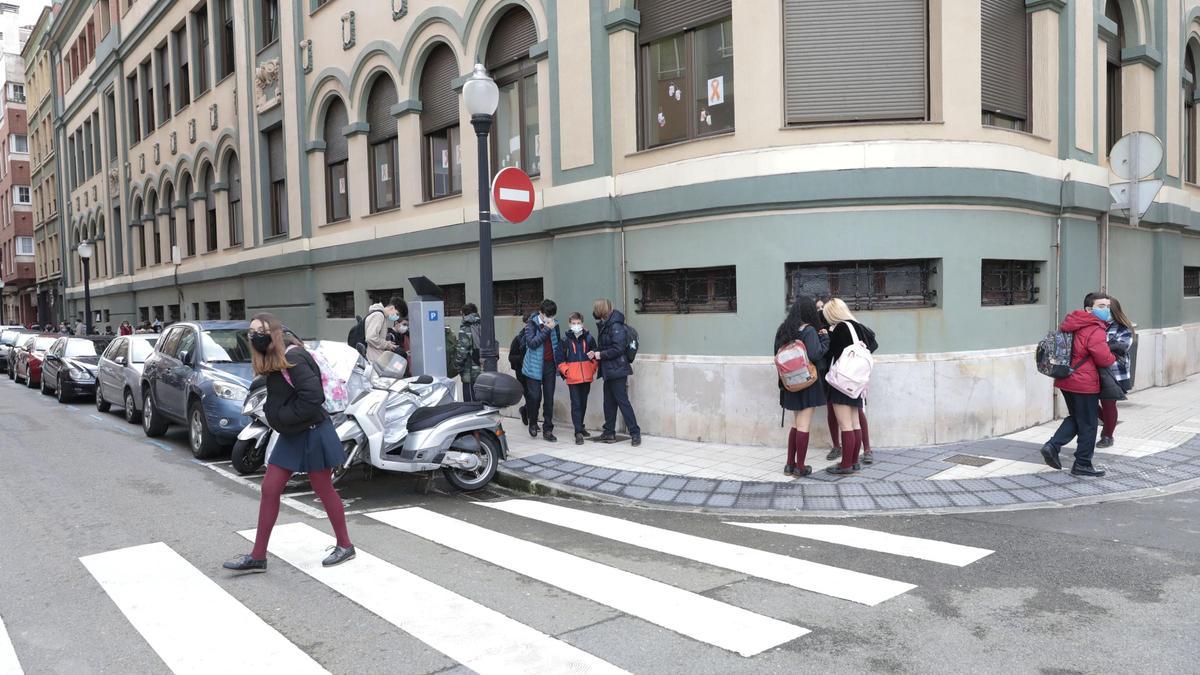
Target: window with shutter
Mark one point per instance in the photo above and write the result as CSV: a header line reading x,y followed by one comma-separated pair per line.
x,y
383,154
1189,112
439,123
1005,62
189,215
855,60
234,180
277,175
210,207
1112,76
515,137
337,154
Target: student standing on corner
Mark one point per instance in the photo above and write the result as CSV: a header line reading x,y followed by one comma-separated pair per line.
x,y
868,457
1120,340
578,369
615,369
541,347
802,323
845,408
1081,391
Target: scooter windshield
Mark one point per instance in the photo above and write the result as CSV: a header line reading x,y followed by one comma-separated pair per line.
x,y
390,364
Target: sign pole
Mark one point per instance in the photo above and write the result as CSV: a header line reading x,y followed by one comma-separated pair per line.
x,y
1135,174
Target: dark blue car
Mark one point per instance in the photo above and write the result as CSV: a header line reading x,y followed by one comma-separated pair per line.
x,y
198,376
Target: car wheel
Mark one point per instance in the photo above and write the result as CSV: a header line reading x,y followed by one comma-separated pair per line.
x,y
29,381
45,390
131,412
150,418
63,396
204,445
101,405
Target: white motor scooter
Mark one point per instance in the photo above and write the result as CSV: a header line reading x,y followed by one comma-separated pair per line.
x,y
411,425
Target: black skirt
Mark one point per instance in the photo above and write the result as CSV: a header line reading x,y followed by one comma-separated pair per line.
x,y
838,398
812,397
314,449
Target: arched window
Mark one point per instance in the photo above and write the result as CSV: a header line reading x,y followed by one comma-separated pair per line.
x,y
1006,64
337,155
210,210
1112,79
155,231
439,124
169,205
1189,111
385,187
189,215
138,232
101,248
515,132
234,178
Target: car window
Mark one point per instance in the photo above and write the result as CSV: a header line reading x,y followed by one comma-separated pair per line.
x,y
169,343
225,346
114,349
77,348
187,343
141,349
28,342
7,337
41,344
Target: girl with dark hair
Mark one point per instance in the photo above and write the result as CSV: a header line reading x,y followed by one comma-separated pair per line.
x,y
1120,340
307,441
802,323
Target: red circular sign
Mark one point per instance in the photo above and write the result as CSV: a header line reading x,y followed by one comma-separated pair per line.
x,y
512,194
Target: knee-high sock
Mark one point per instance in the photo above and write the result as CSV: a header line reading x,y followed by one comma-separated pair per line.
x,y
857,435
791,457
801,448
833,426
268,508
847,449
862,422
322,484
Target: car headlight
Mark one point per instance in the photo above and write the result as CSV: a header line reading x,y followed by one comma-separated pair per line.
x,y
253,402
230,392
78,373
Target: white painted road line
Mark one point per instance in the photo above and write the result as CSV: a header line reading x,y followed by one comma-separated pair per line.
x,y
286,500
9,665
883,542
190,621
810,576
480,638
704,619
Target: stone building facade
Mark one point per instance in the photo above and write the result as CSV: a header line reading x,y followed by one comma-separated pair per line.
x,y
43,179
699,163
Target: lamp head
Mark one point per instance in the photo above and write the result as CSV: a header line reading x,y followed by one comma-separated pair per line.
x,y
480,93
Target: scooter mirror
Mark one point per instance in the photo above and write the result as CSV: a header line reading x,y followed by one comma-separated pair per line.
x,y
425,379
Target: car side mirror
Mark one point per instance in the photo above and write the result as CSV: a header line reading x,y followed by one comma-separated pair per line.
x,y
120,360
185,357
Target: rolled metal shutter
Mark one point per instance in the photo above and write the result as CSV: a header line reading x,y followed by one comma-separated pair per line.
x,y
235,180
336,146
379,110
661,18
514,34
1005,57
439,101
276,157
210,197
855,60
1112,11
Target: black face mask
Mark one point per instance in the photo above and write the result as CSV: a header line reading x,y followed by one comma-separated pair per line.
x,y
261,342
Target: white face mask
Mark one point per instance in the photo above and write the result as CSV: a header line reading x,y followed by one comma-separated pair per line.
x,y
402,328
577,328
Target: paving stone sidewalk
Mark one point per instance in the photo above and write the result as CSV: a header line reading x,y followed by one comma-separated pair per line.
x,y
1157,447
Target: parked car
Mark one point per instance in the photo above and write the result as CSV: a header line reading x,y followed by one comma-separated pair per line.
x,y
9,337
119,376
198,375
69,368
27,367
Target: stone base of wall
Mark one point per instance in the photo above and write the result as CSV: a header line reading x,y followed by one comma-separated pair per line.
x,y
915,399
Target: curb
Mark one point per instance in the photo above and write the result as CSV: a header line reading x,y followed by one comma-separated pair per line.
x,y
519,482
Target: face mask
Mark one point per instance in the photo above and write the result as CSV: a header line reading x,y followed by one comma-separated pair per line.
x,y
1104,314
261,342
394,317
402,328
577,328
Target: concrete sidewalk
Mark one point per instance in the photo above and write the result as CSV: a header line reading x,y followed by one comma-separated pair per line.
x,y
1156,448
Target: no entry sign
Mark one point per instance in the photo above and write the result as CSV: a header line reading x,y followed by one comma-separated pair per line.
x,y
512,193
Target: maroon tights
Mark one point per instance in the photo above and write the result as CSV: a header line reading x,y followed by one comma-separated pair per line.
x,y
1108,415
268,508
833,428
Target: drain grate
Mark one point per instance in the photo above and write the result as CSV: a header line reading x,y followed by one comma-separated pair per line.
x,y
969,460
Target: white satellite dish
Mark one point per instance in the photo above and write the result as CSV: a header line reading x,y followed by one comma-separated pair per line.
x,y
1136,156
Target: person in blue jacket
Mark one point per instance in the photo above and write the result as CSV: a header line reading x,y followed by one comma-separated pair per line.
x,y
542,340
615,369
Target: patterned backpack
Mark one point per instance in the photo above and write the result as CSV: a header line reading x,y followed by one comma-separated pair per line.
x,y
337,398
1054,355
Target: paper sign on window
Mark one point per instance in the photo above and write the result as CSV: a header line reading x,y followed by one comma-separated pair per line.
x,y
716,90
342,186
383,173
445,159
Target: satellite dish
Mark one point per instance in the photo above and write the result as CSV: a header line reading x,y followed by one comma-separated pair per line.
x,y
1136,156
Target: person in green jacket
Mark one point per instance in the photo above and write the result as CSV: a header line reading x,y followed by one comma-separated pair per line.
x,y
466,352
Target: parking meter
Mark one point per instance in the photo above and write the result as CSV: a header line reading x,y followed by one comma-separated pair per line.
x,y
427,328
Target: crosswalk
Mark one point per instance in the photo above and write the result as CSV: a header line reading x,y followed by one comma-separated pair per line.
x,y
9,665
182,613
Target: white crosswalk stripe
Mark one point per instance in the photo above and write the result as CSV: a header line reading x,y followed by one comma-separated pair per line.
x,y
883,542
190,621
9,665
825,579
704,619
479,638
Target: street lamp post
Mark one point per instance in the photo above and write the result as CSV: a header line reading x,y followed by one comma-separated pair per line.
x,y
85,256
1,302
481,96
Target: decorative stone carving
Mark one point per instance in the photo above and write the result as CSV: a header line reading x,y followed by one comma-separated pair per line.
x,y
192,130
174,142
96,192
128,170
267,85
142,163
212,116
399,9
157,154
114,178
349,36
306,60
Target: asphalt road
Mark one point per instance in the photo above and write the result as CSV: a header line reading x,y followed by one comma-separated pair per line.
x,y
1112,588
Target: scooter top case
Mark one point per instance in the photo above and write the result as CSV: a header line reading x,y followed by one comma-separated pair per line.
x,y
498,390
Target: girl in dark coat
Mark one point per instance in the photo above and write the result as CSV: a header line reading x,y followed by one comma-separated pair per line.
x,y
846,409
307,441
802,324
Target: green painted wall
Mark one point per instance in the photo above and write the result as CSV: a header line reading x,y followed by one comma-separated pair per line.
x,y
1129,278
1080,262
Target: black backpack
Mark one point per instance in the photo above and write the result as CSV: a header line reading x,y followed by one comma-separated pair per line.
x,y
358,334
516,351
631,343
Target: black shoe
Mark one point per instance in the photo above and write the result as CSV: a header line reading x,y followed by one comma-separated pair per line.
x,y
339,556
789,469
835,453
586,434
524,416
868,457
802,471
578,439
1050,455
607,437
246,564
549,436
1087,471
1105,442
534,430
856,467
636,440
837,470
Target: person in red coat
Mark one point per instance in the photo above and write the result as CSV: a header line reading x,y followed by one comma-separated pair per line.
x,y
1081,392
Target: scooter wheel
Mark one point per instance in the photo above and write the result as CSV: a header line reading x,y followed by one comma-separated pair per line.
x,y
247,457
477,479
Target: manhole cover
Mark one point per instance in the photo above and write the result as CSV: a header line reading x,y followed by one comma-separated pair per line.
x,y
969,460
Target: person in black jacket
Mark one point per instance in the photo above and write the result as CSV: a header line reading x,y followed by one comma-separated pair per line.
x,y
802,323
307,441
516,357
615,369
846,409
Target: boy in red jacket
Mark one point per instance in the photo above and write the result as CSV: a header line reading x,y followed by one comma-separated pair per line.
x,y
578,370
1081,392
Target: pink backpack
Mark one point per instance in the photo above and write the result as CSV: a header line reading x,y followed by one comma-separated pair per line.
x,y
852,372
336,395
796,371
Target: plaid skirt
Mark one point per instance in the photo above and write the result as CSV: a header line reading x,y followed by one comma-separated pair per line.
x,y
314,449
